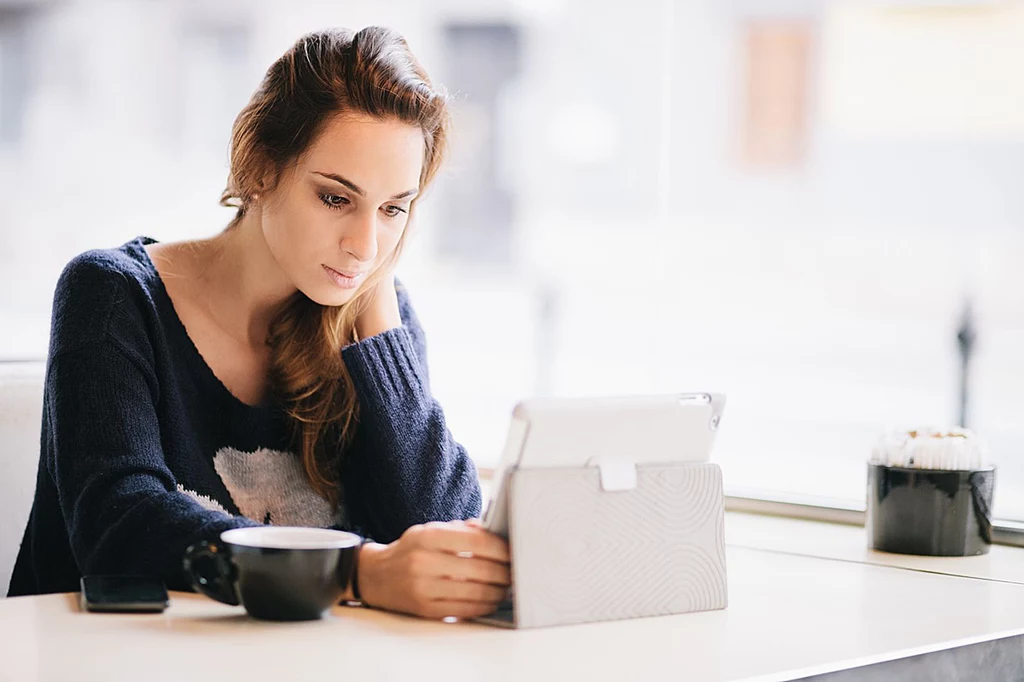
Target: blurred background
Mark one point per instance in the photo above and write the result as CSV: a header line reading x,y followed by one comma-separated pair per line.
x,y
812,205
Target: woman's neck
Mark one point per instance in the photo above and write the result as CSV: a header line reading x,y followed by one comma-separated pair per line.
x,y
243,285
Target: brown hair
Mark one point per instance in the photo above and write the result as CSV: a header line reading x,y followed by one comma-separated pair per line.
x,y
372,73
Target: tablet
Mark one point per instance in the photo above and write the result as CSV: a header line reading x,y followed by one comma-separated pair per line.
x,y
579,432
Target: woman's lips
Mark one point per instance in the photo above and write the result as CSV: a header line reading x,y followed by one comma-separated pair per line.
x,y
343,279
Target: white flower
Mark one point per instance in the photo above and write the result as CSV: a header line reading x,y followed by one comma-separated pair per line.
x,y
954,448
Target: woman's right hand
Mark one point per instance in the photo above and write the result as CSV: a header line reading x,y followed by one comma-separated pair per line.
x,y
437,570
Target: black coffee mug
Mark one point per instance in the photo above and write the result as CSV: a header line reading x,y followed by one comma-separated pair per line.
x,y
275,572
930,512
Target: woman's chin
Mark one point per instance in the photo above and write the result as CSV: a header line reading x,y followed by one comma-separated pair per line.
x,y
331,299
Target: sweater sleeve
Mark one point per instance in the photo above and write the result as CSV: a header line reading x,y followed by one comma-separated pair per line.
x,y
404,466
119,499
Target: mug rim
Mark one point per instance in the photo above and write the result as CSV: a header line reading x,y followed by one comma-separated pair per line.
x,y
273,537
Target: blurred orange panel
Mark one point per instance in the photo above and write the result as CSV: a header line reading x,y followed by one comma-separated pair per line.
x,y
775,107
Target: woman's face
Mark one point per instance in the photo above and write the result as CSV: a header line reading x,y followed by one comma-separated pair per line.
x,y
338,214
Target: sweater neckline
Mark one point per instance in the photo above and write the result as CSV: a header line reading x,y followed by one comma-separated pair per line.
x,y
211,381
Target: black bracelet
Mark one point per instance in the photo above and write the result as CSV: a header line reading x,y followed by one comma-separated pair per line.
x,y
354,581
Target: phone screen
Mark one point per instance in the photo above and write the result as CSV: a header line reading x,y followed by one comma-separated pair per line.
x,y
123,593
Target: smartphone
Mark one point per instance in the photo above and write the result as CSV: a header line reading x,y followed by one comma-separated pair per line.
x,y
123,593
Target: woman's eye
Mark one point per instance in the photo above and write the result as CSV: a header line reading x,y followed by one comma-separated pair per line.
x,y
393,211
333,200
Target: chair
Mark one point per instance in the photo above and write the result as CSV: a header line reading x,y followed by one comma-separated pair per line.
x,y
21,404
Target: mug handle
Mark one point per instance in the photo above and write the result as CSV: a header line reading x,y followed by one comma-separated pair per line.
x,y
218,583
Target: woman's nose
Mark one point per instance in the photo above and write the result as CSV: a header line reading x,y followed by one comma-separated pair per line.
x,y
360,237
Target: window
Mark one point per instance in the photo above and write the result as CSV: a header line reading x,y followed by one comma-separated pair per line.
x,y
793,203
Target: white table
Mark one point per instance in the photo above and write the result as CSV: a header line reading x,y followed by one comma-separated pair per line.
x,y
850,543
789,616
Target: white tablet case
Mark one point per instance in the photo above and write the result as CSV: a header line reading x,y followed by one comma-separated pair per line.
x,y
643,429
584,550
614,434
581,554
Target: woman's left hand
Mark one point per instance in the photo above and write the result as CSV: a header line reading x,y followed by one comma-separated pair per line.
x,y
381,314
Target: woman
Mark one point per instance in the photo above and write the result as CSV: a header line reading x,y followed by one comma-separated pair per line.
x,y
274,373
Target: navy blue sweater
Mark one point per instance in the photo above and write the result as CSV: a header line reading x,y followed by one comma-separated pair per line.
x,y
144,451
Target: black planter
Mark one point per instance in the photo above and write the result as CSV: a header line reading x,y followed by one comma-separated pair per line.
x,y
930,512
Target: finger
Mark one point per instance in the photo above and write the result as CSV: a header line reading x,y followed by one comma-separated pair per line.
x,y
458,609
465,539
457,590
475,569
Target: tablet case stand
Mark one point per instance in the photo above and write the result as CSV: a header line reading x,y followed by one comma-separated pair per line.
x,y
615,541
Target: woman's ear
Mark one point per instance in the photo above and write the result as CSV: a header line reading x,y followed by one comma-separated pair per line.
x,y
272,180
267,182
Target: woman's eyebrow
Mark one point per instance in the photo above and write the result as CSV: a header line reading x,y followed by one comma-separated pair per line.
x,y
355,188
